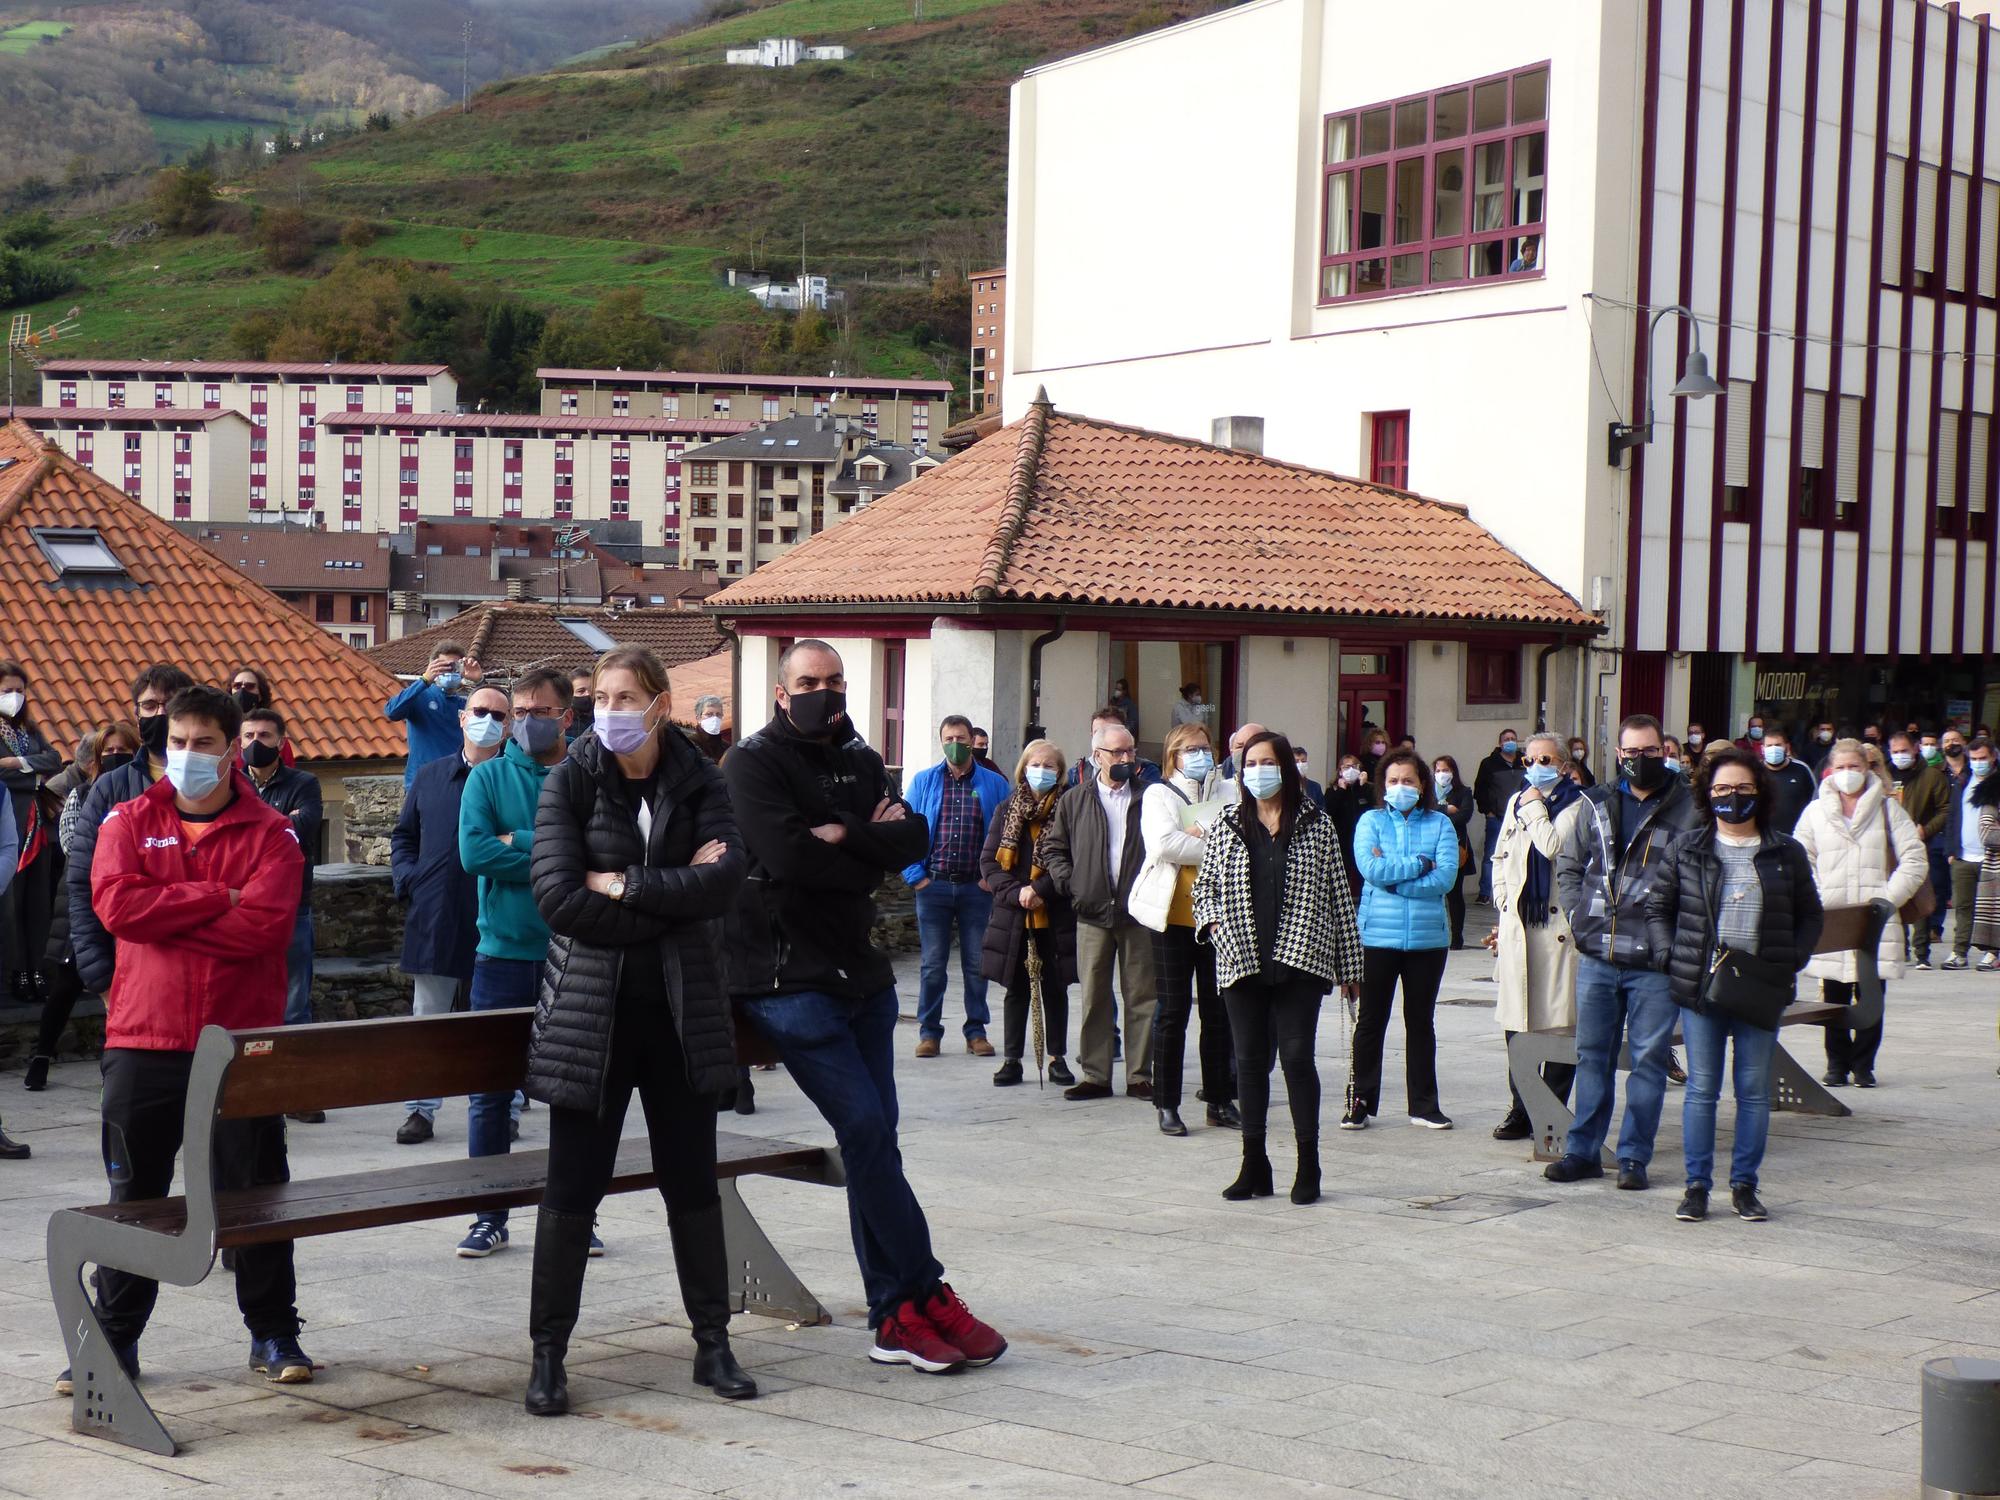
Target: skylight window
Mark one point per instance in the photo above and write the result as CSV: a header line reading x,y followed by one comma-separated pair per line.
x,y
79,553
589,634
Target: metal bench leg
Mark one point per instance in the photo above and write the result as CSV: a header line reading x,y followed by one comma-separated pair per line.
x,y
106,1403
1794,1088
1548,1115
765,1283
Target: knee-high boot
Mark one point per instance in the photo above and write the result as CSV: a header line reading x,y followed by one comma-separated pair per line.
x,y
701,1261
562,1249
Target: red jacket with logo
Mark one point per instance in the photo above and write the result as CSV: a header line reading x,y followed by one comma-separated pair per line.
x,y
187,957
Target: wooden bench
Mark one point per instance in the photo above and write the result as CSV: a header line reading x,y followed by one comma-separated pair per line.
x,y
1793,1086
248,1074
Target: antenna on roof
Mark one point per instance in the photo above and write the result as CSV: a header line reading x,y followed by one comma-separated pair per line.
x,y
28,341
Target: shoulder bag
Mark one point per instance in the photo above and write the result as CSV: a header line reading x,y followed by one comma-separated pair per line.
x,y
1921,905
1743,986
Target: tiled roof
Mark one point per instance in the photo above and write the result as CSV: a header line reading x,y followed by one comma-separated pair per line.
x,y
82,365
896,462
510,638
794,438
964,434
82,644
742,382
405,421
448,576
298,557
695,680
1064,509
59,416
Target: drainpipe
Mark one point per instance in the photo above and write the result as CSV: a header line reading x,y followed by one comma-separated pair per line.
x,y
735,673
1542,685
1033,729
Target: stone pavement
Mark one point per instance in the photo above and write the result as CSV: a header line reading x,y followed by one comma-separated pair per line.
x,y
1444,1323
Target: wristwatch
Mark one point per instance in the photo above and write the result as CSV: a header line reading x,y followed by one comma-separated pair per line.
x,y
617,891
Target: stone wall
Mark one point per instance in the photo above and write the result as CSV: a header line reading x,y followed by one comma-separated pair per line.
x,y
896,917
357,939
373,803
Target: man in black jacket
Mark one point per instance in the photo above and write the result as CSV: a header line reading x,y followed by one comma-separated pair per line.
x,y
296,794
1499,777
1793,784
824,827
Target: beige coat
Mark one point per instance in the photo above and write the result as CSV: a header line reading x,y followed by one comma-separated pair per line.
x,y
1536,966
1851,866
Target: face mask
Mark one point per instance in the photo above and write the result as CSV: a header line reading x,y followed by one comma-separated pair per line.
x,y
1825,737
1196,764
1956,752
1774,755
1673,766
1577,752
1543,777
485,733
1445,782
1756,731
1850,780
711,724
1120,772
1695,741
1263,781
153,733
1351,776
10,704
581,711
258,755
1402,798
447,682
1902,760
1301,764
538,736
622,731
818,713
194,774
1737,807
1642,772
1980,768
116,760
1041,779
246,699
957,753
1379,747
1932,755
1510,747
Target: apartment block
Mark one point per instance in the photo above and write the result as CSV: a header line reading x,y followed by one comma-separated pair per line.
x,y
185,464
909,412
989,342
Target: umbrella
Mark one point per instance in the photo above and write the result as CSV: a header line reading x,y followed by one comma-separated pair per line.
x,y
1036,1025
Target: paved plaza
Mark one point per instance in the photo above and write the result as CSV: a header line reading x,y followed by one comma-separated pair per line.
x,y
1444,1323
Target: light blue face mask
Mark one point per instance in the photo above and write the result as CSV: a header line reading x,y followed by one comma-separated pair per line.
x,y
1541,778
1673,766
1263,781
484,732
1445,782
1041,779
193,773
1196,764
447,682
1402,798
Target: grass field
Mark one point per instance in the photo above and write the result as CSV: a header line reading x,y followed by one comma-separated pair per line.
x,y
179,137
28,35
812,20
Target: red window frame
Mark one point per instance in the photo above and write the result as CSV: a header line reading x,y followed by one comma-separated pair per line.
x,y
1384,151
1389,449
1492,674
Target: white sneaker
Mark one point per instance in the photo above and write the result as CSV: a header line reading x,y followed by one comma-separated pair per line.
x,y
1435,1120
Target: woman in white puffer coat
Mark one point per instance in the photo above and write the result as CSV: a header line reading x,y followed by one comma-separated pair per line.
x,y
1862,846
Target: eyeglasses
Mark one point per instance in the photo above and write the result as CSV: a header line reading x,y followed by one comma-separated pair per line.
x,y
1725,788
1650,752
1126,754
536,713
1544,760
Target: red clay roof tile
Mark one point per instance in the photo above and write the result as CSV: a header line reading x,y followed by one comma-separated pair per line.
x,y
507,638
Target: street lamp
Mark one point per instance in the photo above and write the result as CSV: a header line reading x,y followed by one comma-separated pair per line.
x,y
1695,382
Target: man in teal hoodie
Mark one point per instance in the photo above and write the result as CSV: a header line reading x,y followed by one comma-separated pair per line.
x,y
496,838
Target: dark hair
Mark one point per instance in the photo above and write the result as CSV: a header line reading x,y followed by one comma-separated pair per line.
x,y
267,716
1190,687
197,702
1640,721
14,669
263,682
447,648
170,682
1731,756
1110,713
954,721
544,677
101,736
785,657
1291,790
1405,757
1452,761
977,732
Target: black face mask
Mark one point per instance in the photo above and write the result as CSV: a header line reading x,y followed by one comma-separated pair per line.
x,y
113,761
1737,807
583,712
258,755
817,714
247,699
1121,772
153,733
1646,773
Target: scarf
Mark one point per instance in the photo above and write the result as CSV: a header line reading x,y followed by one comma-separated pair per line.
x,y
1540,883
1020,829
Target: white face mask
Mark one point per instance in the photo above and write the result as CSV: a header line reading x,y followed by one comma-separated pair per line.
x,y
1850,781
10,704
711,724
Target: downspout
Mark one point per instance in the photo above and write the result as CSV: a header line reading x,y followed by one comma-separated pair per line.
x,y
1542,685
1033,728
735,674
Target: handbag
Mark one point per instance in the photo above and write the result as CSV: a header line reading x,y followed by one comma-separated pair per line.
x,y
1747,988
1920,906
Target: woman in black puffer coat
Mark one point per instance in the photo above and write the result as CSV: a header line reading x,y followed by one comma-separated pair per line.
x,y
636,858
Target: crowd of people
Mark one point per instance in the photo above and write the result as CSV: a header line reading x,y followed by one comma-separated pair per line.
x,y
564,845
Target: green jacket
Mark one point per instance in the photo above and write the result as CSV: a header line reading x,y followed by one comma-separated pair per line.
x,y
1926,798
500,797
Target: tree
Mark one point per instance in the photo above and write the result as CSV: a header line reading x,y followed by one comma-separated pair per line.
x,y
183,200
618,332
286,235
26,278
28,232
358,234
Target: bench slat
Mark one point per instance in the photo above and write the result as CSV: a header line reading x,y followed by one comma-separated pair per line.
x,y
431,1190
342,1064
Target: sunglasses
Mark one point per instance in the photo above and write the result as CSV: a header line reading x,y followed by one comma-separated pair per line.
x,y
1543,760
489,713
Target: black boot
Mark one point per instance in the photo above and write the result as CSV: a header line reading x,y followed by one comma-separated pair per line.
x,y
1254,1181
562,1248
1305,1185
701,1261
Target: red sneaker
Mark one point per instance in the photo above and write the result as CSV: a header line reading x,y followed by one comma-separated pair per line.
x,y
906,1337
949,1315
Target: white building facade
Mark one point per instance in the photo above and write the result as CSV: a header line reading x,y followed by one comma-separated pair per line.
x,y
181,463
1434,266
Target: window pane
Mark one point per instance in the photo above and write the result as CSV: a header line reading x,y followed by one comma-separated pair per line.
x,y
1339,213
1448,265
1333,281
1374,206
1451,109
1448,195
1525,254
1409,200
1528,179
1340,139
1407,270
1375,131
1531,96
1371,275
1489,105
1411,119
1489,186
1490,258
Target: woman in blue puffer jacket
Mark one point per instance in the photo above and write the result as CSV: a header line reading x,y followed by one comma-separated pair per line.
x,y
1407,852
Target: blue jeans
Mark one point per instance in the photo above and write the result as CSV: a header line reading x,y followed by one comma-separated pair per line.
x,y
841,1055
1753,1049
299,970
497,984
939,905
1486,864
1615,1005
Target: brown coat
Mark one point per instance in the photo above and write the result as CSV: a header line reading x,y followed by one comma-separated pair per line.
x,y
1002,953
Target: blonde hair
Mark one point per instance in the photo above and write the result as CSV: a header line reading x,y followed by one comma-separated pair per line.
x,y
641,663
1871,757
1179,738
1039,747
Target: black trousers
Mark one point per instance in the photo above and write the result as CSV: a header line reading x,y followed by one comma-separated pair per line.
x,y
1278,1021
1420,971
1846,1049
646,1056
26,909
1454,906
145,1096
1184,979
1055,1004
1558,1076
65,989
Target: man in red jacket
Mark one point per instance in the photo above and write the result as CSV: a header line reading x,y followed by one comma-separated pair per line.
x,y
199,882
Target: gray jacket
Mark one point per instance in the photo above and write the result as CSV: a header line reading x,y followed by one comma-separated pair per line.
x,y
1076,851
1604,892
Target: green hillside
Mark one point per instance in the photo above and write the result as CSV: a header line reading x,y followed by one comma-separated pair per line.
x,y
646,168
